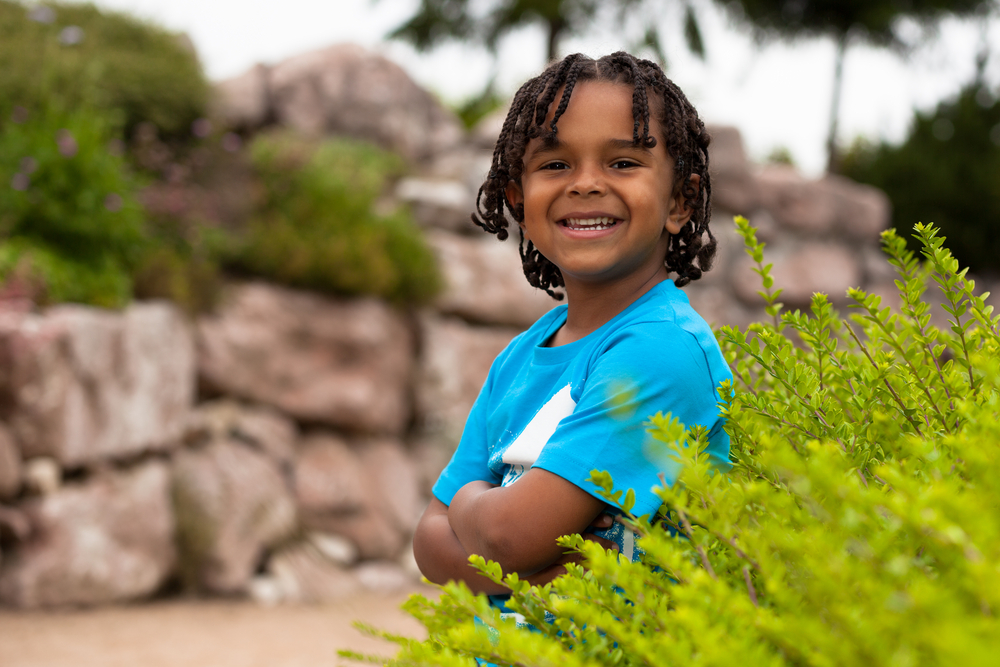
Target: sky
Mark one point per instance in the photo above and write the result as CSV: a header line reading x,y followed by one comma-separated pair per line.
x,y
778,96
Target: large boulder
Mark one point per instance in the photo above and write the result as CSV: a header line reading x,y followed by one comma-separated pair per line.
x,y
329,476
366,491
244,101
343,90
84,384
346,363
10,465
484,281
302,573
231,504
800,271
733,186
831,205
454,363
259,426
109,539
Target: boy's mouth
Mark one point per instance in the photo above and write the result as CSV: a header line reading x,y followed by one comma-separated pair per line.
x,y
590,224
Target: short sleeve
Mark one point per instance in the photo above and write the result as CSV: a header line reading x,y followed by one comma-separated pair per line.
x,y
470,462
659,367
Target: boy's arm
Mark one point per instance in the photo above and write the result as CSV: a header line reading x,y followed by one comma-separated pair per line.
x,y
441,557
517,525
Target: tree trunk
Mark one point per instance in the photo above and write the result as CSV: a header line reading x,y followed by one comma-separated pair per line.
x,y
556,28
832,157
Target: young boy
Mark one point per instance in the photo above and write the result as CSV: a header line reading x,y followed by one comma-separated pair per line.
x,y
604,166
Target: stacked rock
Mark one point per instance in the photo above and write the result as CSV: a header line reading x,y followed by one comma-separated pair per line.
x,y
284,445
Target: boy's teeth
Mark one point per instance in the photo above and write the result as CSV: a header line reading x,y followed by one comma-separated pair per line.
x,y
590,223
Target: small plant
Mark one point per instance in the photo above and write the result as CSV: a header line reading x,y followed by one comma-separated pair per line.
x,y
315,224
69,219
858,525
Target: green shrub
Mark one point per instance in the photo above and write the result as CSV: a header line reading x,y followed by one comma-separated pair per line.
x,y
69,217
858,526
947,171
119,65
315,226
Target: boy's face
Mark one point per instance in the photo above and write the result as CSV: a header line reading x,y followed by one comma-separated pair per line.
x,y
595,205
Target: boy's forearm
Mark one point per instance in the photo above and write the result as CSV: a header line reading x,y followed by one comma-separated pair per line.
x,y
440,555
473,517
517,525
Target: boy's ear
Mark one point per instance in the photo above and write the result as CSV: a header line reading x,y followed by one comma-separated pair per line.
x,y
680,211
514,194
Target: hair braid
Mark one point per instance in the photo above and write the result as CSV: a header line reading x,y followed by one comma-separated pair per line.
x,y
689,252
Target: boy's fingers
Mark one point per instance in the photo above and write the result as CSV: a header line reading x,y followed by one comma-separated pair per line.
x,y
607,544
603,520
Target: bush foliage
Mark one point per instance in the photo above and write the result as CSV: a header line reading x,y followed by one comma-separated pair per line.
x,y
76,54
858,525
316,225
947,172
70,223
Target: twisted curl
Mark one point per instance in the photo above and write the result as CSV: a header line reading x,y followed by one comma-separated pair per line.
x,y
690,252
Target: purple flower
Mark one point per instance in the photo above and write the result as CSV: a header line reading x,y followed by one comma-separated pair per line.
x,y
20,182
42,14
113,202
231,142
71,35
29,165
201,128
67,144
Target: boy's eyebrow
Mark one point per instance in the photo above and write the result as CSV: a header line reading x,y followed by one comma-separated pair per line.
x,y
551,143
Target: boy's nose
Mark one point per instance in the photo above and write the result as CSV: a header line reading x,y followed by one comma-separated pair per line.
x,y
589,181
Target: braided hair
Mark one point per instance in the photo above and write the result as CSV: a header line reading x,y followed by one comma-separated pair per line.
x,y
689,252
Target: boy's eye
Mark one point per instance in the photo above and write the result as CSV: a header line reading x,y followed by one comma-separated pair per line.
x,y
623,164
555,165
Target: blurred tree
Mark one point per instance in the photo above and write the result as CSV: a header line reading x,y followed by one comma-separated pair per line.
x,y
116,64
947,171
439,20
846,21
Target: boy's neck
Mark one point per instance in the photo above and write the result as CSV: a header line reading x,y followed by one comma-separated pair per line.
x,y
590,306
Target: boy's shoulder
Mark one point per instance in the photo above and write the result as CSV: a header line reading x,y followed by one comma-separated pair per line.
x,y
665,309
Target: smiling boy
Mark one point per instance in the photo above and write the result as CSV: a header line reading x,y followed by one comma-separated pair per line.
x,y
610,190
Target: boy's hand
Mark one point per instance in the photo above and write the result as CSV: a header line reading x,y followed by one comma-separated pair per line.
x,y
558,568
602,522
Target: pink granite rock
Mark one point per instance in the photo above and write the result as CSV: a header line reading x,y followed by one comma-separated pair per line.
x,y
801,271
329,476
347,90
733,186
109,539
346,363
231,503
88,384
485,282
10,465
367,491
454,363
831,205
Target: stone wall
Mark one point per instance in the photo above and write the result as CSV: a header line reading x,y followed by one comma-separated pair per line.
x,y
283,446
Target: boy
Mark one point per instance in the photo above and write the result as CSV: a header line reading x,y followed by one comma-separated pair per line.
x,y
604,166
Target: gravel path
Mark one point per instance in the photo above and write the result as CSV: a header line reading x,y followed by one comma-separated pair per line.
x,y
201,634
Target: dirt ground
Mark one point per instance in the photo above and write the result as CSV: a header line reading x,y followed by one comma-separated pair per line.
x,y
186,633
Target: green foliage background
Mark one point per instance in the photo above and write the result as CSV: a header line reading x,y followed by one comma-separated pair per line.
x,y
947,171
122,66
316,224
73,226
858,525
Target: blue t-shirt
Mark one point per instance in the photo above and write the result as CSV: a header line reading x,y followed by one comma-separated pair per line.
x,y
577,407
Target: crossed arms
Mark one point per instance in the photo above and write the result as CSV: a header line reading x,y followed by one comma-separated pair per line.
x,y
515,525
